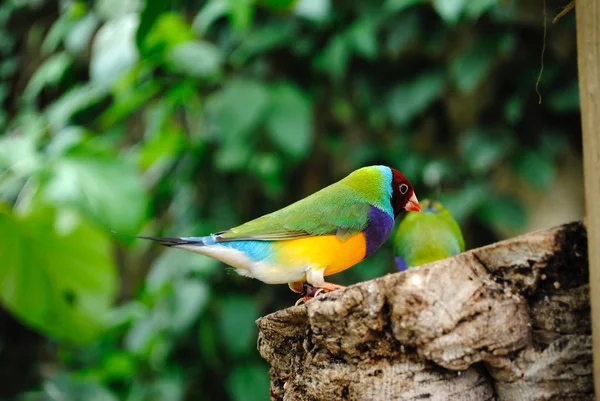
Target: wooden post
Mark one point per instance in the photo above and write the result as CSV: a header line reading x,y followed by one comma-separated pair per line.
x,y
588,56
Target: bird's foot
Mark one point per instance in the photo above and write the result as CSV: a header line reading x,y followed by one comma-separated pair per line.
x,y
328,287
311,292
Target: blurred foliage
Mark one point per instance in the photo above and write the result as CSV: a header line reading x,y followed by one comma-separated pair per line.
x,y
187,117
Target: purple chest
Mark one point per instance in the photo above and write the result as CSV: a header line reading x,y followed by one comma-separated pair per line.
x,y
379,228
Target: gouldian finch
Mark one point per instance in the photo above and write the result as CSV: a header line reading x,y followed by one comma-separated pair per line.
x,y
428,236
323,234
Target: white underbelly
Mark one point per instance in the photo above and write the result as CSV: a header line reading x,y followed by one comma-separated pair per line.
x,y
267,272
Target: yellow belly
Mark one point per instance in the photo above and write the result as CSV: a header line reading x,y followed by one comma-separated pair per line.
x,y
326,251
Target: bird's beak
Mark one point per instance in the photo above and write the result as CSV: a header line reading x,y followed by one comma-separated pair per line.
x,y
413,204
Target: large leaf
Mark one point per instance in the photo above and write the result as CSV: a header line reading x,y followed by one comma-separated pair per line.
x,y
109,191
363,34
195,58
472,65
79,37
450,10
483,149
290,120
77,99
335,57
114,51
314,10
152,11
238,108
115,9
411,98
167,31
57,273
49,73
208,14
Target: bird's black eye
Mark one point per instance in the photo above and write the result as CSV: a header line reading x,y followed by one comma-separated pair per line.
x,y
403,188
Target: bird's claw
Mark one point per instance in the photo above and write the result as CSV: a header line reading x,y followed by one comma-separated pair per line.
x,y
311,292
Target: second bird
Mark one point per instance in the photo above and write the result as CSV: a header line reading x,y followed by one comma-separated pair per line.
x,y
322,234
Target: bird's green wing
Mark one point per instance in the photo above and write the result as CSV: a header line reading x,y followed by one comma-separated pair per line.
x,y
336,209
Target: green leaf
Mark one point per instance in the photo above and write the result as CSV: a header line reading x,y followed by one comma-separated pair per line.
x,y
535,168
290,120
238,108
114,51
404,33
363,33
241,13
151,13
472,65
249,382
77,99
118,365
19,154
56,34
208,14
232,156
313,10
168,31
163,147
482,150
116,9
78,38
196,59
108,191
65,140
49,73
262,40
335,57
410,98
189,299
57,273
513,109
450,10
463,203
237,324
400,5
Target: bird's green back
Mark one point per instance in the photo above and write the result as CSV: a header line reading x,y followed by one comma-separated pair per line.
x,y
428,236
341,208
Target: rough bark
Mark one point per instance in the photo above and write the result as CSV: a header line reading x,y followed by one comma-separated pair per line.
x,y
510,321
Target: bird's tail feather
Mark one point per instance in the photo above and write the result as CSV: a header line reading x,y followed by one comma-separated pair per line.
x,y
177,241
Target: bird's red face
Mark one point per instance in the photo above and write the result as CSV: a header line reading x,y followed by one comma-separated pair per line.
x,y
403,194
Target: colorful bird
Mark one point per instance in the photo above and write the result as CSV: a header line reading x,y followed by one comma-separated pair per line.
x,y
428,236
323,234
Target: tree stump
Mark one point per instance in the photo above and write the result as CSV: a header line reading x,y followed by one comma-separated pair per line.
x,y
509,321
